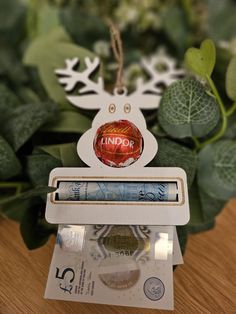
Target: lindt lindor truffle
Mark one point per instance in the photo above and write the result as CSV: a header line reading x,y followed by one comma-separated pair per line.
x,y
118,143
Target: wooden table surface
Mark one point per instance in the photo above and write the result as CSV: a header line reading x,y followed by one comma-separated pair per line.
x,y
206,283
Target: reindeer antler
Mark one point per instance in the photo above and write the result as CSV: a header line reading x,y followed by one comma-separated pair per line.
x,y
148,93
71,77
158,77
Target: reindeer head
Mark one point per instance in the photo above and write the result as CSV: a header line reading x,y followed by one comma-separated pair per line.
x,y
117,106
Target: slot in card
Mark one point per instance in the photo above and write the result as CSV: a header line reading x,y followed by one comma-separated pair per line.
x,y
154,196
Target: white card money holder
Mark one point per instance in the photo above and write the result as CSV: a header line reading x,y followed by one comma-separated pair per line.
x,y
117,107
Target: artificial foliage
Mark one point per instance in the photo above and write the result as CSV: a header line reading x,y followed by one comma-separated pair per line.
x,y
195,124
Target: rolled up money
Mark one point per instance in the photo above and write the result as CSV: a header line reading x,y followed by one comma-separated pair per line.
x,y
117,191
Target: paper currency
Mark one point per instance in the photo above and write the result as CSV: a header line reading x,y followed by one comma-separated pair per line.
x,y
117,191
177,254
131,240
112,272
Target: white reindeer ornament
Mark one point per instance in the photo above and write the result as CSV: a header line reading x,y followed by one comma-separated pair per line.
x,y
118,106
110,192
104,178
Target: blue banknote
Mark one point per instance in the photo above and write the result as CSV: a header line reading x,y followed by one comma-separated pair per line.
x,y
117,191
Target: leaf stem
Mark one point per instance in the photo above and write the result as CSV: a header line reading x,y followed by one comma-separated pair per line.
x,y
197,143
216,94
231,110
18,186
223,127
187,6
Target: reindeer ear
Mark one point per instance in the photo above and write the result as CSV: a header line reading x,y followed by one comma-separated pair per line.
x,y
88,101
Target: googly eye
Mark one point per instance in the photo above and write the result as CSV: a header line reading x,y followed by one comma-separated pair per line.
x,y
127,108
112,108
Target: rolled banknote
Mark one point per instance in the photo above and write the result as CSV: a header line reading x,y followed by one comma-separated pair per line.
x,y
117,191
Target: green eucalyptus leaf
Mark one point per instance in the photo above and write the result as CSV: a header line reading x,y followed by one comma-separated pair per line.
x,y
14,207
12,17
182,232
36,84
231,79
66,153
11,67
69,122
8,102
230,132
217,169
196,214
42,18
33,53
223,58
36,191
69,155
11,188
202,61
27,95
186,110
9,164
14,211
201,226
158,131
72,17
210,206
49,53
53,150
171,154
198,221
39,167
25,120
221,22
174,24
34,229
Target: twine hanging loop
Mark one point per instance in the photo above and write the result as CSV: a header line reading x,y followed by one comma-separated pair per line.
x,y
117,48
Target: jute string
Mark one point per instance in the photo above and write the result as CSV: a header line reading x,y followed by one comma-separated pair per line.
x,y
117,47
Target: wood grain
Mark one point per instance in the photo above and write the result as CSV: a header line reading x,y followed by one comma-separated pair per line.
x,y
206,283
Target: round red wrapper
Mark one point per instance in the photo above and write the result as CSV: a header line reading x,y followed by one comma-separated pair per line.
x,y
118,143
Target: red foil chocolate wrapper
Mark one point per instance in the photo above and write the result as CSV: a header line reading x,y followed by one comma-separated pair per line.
x,y
118,143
